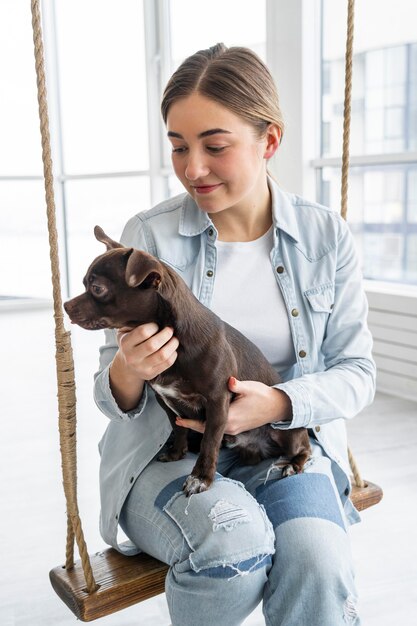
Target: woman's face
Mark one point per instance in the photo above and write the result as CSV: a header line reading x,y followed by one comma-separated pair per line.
x,y
216,154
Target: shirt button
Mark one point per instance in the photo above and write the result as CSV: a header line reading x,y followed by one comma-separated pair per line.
x,y
317,429
210,232
302,354
209,273
295,313
280,269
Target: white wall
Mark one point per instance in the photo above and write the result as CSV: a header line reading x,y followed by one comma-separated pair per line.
x,y
393,323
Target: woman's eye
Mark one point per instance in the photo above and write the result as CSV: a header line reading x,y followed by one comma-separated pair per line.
x,y
215,149
178,150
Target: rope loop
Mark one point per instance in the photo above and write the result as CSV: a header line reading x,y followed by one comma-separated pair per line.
x,y
347,110
64,359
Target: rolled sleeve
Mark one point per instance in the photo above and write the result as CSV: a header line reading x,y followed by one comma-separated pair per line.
x,y
105,401
301,406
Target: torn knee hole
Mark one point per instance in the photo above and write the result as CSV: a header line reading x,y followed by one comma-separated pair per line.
x,y
226,515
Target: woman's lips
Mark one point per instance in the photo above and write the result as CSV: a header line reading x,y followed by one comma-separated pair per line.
x,y
206,188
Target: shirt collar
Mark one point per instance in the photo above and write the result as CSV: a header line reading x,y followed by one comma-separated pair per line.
x,y
194,222
284,215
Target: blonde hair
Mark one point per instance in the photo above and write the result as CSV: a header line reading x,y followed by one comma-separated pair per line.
x,y
234,77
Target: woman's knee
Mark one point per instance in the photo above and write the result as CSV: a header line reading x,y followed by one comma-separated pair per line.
x,y
226,531
316,547
309,525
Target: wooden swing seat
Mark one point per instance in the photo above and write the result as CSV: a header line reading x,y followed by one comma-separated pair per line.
x,y
126,580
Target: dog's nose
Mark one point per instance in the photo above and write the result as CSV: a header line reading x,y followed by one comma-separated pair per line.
x,y
69,309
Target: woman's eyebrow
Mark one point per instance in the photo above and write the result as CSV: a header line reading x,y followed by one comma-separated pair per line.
x,y
205,133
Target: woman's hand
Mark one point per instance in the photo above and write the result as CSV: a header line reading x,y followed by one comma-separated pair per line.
x,y
255,404
144,352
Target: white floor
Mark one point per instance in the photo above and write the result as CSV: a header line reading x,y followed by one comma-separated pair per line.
x,y
32,523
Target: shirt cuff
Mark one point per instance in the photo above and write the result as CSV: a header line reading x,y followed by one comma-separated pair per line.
x,y
107,404
301,407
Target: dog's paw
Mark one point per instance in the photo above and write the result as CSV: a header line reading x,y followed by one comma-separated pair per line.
x,y
195,485
288,470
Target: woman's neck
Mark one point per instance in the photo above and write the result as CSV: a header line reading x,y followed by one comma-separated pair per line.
x,y
245,223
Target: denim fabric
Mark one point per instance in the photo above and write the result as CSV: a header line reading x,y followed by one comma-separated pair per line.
x,y
226,556
316,268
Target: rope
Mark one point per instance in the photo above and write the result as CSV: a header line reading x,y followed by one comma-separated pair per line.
x,y
359,482
64,358
347,106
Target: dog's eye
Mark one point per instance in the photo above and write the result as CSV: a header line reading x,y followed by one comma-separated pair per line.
x,y
98,290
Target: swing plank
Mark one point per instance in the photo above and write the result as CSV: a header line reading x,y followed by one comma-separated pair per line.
x,y
126,580
364,497
123,581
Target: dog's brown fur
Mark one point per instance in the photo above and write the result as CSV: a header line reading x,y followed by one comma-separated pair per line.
x,y
127,287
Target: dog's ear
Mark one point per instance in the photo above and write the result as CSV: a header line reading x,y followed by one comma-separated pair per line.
x,y
142,269
101,236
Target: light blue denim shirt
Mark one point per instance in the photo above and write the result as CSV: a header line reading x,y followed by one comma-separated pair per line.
x,y
316,267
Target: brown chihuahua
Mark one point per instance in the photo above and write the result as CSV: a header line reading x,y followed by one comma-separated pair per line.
x,y
127,287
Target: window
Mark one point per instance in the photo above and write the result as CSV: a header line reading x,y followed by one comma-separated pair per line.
x,y
382,197
242,23
102,58
21,192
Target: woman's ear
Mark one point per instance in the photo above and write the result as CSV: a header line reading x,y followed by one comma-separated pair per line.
x,y
273,139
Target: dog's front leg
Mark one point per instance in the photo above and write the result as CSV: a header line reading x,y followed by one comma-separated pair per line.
x,y
204,470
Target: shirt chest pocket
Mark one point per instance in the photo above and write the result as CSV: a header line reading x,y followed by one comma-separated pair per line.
x,y
320,304
321,298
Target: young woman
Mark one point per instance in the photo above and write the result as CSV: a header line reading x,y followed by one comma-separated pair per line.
x,y
284,272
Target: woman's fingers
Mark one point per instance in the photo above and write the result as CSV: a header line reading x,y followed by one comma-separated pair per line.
x,y
131,337
148,350
196,425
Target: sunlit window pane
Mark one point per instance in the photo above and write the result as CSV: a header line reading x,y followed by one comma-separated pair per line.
x,y
384,76
24,248
235,23
382,214
383,255
108,202
20,151
103,85
382,199
412,197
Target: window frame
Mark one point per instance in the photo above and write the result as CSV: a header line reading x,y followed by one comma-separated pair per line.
x,y
294,55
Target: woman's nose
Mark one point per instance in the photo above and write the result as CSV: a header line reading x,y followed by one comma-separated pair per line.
x,y
196,167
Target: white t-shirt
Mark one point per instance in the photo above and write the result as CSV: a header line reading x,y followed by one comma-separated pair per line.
x,y
246,295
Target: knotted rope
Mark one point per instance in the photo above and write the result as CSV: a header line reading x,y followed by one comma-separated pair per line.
x,y
359,482
347,106
64,359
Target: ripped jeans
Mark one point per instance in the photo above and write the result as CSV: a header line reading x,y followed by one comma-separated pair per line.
x,y
250,538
